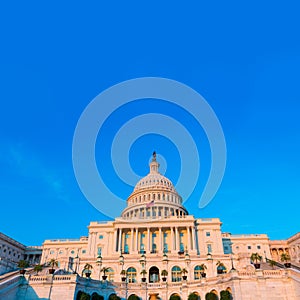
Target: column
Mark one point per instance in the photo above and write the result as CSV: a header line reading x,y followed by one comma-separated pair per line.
x,y
115,240
132,241
92,248
148,235
111,242
188,238
120,240
176,239
159,240
193,238
172,238
136,239
95,243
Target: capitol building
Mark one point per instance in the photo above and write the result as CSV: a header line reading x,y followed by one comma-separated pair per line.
x,y
157,250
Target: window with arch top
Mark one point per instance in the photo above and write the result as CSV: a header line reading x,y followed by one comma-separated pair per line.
x,y
131,275
176,274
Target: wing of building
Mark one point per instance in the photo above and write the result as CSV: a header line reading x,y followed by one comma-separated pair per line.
x,y
156,250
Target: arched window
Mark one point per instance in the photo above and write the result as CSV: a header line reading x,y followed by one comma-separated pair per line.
x,y
176,274
131,274
110,274
197,272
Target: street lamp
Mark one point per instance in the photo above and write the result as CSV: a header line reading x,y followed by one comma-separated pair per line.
x,y
187,257
143,260
99,263
121,262
143,263
232,266
209,256
77,263
165,258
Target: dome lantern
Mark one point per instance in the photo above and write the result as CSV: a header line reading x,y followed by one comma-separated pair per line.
x,y
154,196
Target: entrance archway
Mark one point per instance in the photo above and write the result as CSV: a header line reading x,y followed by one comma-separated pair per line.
x,y
153,274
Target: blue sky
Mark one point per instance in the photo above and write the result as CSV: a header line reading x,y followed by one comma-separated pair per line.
x,y
243,58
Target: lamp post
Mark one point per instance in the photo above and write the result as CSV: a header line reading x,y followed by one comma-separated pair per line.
x,y
232,266
165,262
99,263
77,263
265,255
210,259
143,264
121,262
187,259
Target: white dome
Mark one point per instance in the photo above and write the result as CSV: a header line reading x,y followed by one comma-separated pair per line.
x,y
154,196
154,180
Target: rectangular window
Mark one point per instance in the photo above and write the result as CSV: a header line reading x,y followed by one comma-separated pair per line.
x,y
166,247
99,251
165,234
154,235
207,233
258,247
209,248
249,247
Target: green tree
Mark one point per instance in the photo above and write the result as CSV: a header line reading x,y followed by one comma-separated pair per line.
x,y
84,296
211,296
22,264
285,257
193,296
175,297
96,296
53,263
184,271
104,270
256,258
133,297
113,297
225,295
38,268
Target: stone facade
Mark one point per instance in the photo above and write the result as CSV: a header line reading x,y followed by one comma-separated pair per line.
x,y
12,251
290,246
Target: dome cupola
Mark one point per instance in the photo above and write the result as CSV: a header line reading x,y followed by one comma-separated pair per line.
x,y
153,197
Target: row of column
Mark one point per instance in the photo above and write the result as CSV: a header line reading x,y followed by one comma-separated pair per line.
x,y
153,212
173,245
